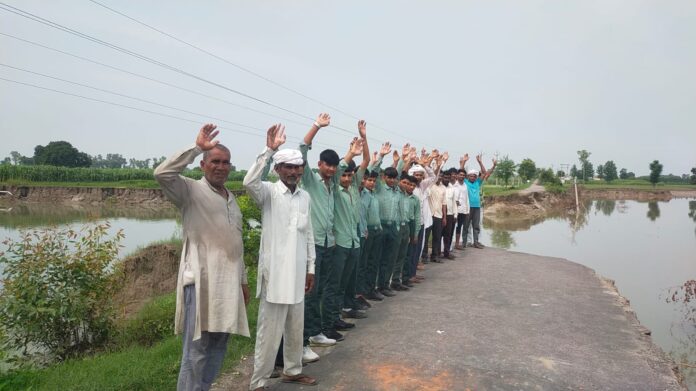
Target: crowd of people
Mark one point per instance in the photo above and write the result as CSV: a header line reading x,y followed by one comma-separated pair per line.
x,y
333,241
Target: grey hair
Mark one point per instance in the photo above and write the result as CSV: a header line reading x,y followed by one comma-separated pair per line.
x,y
217,146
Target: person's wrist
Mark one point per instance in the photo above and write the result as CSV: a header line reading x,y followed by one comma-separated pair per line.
x,y
317,125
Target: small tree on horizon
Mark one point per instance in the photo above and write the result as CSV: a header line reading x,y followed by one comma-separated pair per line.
x,y
505,169
600,171
610,171
527,169
655,171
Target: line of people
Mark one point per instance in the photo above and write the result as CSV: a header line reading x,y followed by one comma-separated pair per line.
x,y
332,241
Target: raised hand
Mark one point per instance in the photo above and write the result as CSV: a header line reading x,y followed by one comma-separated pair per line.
x,y
356,146
435,154
406,149
323,120
495,161
386,148
205,137
375,156
478,158
275,136
395,156
362,128
445,156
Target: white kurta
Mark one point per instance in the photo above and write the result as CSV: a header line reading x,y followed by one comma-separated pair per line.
x,y
213,250
422,192
463,198
287,240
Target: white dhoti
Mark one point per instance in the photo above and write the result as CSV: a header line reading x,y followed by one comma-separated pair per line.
x,y
277,321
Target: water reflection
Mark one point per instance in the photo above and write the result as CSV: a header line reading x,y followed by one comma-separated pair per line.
x,y
36,215
653,210
692,212
502,239
607,207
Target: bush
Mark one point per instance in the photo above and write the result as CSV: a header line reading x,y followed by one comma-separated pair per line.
x,y
251,235
547,177
153,323
58,285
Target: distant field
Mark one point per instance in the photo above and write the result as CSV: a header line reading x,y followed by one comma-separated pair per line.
x,y
638,184
129,184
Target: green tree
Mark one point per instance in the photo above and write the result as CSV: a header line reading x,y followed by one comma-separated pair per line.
x,y
585,173
7,160
505,169
58,290
60,153
527,169
623,174
610,171
574,171
655,171
600,171
692,179
560,173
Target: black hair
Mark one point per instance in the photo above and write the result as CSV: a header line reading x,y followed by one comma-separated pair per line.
x,y
391,172
372,174
329,156
410,178
463,171
452,171
351,167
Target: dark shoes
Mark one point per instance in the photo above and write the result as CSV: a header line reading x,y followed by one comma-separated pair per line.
x,y
387,292
449,256
478,245
362,300
408,283
353,314
342,325
374,296
333,334
361,306
399,287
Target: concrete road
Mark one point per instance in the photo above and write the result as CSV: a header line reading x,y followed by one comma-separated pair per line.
x,y
497,320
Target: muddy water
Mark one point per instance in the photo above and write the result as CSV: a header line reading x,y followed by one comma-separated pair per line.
x,y
646,247
141,226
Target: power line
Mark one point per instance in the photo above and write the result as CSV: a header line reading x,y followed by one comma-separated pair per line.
x,y
38,19
151,79
127,107
244,69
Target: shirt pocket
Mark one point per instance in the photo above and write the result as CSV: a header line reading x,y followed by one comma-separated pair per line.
x,y
303,215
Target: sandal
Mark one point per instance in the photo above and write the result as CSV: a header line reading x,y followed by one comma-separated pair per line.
x,y
299,379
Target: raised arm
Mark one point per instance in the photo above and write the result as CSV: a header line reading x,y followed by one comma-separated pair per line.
x,y
323,120
386,148
255,187
463,160
488,173
362,130
167,174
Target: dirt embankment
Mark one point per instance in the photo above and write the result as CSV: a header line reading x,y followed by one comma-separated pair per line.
x,y
527,206
86,195
149,273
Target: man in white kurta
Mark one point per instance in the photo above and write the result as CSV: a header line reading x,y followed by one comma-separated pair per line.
x,y
212,285
286,260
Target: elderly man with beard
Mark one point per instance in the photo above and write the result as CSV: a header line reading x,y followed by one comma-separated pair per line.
x,y
286,260
212,285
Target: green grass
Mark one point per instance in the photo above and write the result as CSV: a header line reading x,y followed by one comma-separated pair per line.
x,y
141,360
131,184
498,190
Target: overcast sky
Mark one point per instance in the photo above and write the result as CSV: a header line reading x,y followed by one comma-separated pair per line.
x,y
528,79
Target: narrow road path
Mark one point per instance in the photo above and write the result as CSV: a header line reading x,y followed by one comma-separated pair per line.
x,y
496,320
534,188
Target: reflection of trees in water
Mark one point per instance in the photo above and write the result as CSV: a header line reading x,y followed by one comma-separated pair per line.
x,y
607,207
653,210
502,239
692,212
683,329
34,215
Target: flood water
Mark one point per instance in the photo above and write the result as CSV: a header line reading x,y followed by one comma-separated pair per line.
x,y
645,247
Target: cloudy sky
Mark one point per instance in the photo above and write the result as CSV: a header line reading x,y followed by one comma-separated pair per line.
x,y
528,79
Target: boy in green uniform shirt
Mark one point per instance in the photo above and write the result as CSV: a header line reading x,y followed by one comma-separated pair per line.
x,y
410,205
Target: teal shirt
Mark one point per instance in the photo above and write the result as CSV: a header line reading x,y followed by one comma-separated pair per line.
x,y
347,209
413,214
389,200
322,210
371,207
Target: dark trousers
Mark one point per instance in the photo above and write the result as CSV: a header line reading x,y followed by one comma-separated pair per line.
x,y
448,234
404,240
339,276
316,300
437,237
412,256
390,249
369,260
474,219
349,280
461,220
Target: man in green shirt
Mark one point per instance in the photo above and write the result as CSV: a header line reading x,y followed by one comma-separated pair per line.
x,y
410,207
320,186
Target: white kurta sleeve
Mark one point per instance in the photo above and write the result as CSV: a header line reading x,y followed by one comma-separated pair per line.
x,y
253,180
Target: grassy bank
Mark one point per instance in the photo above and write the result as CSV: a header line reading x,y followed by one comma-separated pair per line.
x,y
145,355
497,190
129,184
